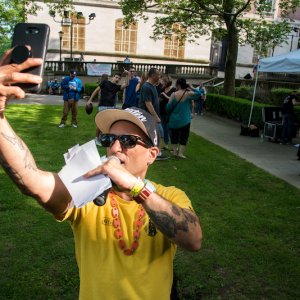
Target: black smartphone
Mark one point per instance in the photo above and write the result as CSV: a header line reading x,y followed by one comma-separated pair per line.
x,y
36,36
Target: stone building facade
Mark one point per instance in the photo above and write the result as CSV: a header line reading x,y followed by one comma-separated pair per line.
x,y
104,39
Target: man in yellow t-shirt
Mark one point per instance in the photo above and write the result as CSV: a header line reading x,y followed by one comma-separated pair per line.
x,y
125,248
138,262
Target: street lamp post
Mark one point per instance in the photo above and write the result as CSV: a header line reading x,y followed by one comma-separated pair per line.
x,y
67,21
60,40
71,40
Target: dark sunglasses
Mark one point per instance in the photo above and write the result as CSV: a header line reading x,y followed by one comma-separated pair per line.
x,y
126,140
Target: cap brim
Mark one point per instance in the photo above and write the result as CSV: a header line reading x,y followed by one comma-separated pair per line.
x,y
105,118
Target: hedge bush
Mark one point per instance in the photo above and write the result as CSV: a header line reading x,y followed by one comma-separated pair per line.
x,y
246,92
89,88
278,95
273,97
239,109
215,89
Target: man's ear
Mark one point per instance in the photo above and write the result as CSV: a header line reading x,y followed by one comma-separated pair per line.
x,y
153,152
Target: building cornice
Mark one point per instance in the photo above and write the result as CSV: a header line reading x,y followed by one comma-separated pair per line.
x,y
95,3
132,57
107,4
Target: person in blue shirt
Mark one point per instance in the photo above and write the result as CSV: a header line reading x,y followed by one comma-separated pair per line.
x,y
199,99
54,86
130,98
127,60
72,87
179,110
48,85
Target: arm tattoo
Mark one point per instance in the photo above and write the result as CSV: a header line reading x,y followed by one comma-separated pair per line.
x,y
29,163
164,222
168,224
16,178
17,142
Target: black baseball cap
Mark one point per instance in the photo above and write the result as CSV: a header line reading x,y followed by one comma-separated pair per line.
x,y
73,72
106,118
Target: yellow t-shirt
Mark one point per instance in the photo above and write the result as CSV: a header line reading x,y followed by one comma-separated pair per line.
x,y
105,271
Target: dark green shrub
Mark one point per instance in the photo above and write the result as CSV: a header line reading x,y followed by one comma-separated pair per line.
x,y
239,109
297,115
215,89
278,95
89,88
245,92
235,108
263,96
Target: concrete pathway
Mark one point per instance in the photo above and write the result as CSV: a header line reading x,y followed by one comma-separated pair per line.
x,y
43,99
279,160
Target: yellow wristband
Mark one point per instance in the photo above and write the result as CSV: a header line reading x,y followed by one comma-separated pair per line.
x,y
136,189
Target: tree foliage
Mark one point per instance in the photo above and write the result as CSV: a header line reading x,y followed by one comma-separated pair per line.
x,y
224,18
16,11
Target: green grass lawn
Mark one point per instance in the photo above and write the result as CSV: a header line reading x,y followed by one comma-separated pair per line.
x,y
250,221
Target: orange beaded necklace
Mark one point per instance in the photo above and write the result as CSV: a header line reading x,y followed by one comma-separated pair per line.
x,y
140,215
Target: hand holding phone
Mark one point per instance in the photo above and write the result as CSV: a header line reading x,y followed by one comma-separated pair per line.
x,y
12,74
30,40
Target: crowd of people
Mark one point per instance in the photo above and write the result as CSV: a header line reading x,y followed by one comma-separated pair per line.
x,y
153,92
172,106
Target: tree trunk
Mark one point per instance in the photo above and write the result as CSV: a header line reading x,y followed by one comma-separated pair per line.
x,y
231,58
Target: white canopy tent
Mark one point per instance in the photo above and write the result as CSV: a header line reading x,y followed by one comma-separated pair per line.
x,y
284,63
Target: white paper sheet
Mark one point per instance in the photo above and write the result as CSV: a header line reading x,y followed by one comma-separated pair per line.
x,y
79,160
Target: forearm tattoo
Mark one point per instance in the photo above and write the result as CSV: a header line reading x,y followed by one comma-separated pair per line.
x,y
169,224
28,162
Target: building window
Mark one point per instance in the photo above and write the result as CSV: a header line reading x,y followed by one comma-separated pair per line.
x,y
78,34
125,38
266,6
173,47
218,52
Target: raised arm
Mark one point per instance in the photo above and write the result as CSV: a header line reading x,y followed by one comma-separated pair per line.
x,y
126,81
138,86
163,94
180,225
15,156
